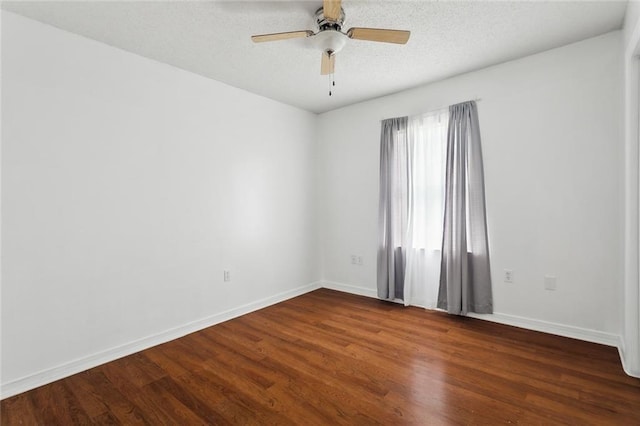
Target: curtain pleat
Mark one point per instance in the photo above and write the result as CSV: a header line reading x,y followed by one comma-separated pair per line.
x,y
465,278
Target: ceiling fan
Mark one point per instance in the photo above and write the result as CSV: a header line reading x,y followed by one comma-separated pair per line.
x,y
330,38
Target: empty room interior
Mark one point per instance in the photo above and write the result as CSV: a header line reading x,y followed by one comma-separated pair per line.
x,y
320,212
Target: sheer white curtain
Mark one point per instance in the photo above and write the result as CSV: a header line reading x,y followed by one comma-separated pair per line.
x,y
427,144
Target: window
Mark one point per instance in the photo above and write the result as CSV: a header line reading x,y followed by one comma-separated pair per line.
x,y
427,162
427,140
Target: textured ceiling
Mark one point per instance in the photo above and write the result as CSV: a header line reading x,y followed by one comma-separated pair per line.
x,y
213,39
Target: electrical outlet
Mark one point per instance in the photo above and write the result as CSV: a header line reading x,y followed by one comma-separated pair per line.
x,y
227,276
354,259
550,282
508,276
359,260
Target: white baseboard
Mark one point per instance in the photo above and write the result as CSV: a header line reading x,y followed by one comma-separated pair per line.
x,y
558,329
573,332
625,365
348,288
65,370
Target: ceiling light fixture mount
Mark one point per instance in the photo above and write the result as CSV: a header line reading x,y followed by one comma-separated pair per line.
x,y
325,23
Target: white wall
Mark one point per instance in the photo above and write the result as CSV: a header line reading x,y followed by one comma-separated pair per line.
x,y
631,20
552,145
128,186
631,294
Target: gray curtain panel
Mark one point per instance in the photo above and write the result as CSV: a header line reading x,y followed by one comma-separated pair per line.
x,y
465,278
393,209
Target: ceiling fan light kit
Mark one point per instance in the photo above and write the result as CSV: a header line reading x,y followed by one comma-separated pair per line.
x,y
330,39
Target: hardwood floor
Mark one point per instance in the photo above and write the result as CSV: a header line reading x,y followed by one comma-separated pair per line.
x,y
333,358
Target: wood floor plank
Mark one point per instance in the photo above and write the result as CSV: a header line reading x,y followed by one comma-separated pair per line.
x,y
87,395
57,405
219,399
333,358
160,399
202,409
118,405
167,363
18,411
278,378
106,419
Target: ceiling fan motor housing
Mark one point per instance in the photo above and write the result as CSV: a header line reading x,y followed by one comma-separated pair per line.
x,y
325,23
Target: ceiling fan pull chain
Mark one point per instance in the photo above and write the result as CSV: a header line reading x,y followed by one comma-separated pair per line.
x,y
332,82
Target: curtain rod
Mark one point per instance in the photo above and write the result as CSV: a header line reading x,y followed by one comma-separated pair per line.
x,y
436,109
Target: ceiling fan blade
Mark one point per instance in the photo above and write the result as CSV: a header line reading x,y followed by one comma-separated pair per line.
x,y
328,63
280,36
331,9
378,34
